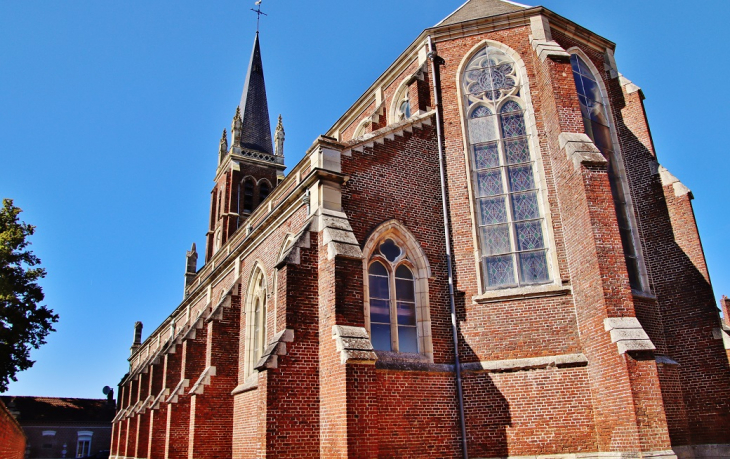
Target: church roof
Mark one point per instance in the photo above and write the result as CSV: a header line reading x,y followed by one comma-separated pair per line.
x,y
256,130
475,9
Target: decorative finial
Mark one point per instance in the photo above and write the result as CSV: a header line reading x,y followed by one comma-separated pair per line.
x,y
279,139
236,126
223,147
258,14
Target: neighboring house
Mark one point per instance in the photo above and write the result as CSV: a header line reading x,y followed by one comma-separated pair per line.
x,y
12,438
63,427
323,323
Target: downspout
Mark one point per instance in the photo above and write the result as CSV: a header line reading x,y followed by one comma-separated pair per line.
x,y
435,62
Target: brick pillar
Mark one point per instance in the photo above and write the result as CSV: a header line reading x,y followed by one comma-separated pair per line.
x,y
690,319
192,360
725,306
620,383
117,426
131,446
211,408
173,364
297,374
332,374
156,431
143,418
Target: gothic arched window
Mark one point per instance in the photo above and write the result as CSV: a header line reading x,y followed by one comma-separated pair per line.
x,y
511,223
393,322
248,187
264,190
598,128
255,320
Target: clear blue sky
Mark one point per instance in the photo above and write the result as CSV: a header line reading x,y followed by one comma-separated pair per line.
x,y
111,112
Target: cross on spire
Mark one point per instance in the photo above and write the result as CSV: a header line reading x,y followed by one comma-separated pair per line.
x,y
258,13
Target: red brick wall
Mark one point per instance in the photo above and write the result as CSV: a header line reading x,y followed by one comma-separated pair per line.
x,y
12,438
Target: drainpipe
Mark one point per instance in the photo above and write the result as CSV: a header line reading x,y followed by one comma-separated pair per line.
x,y
435,62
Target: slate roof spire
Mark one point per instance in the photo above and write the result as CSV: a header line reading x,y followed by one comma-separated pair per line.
x,y
256,130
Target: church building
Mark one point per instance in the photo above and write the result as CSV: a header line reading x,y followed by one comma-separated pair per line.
x,y
482,258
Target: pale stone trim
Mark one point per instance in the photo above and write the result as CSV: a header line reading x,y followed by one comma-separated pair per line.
x,y
353,344
609,63
145,404
421,269
203,380
251,383
628,334
389,132
535,152
542,40
269,359
178,391
155,404
628,86
258,272
580,150
668,178
521,293
529,363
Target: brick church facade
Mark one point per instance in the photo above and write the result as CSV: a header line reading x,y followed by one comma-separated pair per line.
x,y
482,258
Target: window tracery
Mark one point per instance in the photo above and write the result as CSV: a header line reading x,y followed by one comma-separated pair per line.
x,y
598,128
396,273
511,224
393,322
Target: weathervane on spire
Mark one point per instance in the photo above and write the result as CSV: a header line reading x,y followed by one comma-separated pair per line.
x,y
258,13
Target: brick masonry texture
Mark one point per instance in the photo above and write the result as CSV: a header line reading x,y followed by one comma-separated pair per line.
x,y
12,438
542,375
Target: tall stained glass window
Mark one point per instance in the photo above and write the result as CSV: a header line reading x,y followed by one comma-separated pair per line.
x,y
597,126
505,186
256,320
393,324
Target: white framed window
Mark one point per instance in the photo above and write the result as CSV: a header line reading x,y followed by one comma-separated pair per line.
x,y
83,443
507,185
401,105
396,306
597,121
255,319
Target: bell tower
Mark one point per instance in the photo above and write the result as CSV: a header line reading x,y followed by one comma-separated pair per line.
x,y
248,168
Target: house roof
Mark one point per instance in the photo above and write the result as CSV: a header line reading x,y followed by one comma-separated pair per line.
x,y
256,129
475,9
59,410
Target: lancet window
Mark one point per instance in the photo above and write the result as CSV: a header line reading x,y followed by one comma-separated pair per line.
x,y
255,320
264,190
393,316
505,185
248,187
598,128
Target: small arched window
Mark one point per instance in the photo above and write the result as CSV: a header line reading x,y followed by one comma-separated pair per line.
x,y
255,320
510,220
393,316
264,190
598,128
248,187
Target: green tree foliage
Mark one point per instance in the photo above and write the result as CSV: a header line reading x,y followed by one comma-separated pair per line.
x,y
23,322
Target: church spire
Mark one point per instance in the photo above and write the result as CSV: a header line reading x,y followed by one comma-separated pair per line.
x,y
256,130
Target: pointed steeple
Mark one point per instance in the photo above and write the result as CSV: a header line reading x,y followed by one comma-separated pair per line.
x,y
256,130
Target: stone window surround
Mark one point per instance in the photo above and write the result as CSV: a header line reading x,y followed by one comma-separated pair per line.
x,y
253,293
399,96
535,151
421,270
633,219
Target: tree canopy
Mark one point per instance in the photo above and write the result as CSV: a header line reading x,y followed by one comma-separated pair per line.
x,y
24,324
